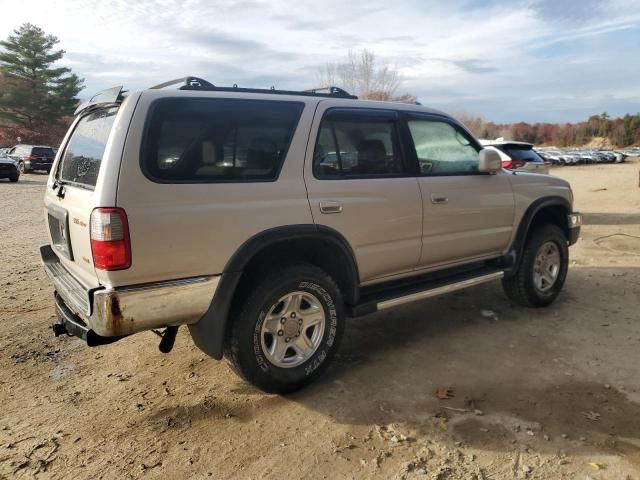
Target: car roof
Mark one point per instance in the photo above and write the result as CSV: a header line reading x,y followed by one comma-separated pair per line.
x,y
31,146
505,143
197,87
266,95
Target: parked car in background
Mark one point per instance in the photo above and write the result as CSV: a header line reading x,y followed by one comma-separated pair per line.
x,y
575,156
8,168
32,157
518,156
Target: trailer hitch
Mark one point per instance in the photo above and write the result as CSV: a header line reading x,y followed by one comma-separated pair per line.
x,y
167,338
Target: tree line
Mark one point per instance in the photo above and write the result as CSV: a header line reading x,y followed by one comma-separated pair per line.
x,y
604,130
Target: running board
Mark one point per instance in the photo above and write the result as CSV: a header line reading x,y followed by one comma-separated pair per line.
x,y
382,301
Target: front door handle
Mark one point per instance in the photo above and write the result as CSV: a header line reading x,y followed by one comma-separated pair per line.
x,y
439,200
330,206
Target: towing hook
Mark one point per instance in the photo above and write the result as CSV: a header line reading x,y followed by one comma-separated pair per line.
x,y
168,339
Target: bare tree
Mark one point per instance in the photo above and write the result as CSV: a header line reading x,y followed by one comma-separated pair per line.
x,y
361,74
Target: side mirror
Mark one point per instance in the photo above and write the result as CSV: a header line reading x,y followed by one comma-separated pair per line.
x,y
490,161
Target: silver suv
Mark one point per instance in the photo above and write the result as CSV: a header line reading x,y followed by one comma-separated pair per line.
x,y
262,219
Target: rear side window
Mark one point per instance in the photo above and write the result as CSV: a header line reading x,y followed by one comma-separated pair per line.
x,y
354,144
203,140
83,153
42,152
524,153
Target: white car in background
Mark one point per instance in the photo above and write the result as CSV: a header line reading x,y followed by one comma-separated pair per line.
x,y
518,156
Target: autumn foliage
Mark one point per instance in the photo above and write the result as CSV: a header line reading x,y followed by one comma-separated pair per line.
x,y
618,132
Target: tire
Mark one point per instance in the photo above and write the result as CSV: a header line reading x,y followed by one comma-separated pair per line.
x,y
14,179
526,287
21,169
248,345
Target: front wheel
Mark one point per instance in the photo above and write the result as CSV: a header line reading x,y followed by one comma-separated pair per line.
x,y
21,167
287,330
542,270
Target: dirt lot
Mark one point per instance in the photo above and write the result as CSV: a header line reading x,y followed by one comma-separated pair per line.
x,y
551,393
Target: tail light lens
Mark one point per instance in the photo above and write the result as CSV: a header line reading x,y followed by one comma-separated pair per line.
x,y
32,158
513,164
110,243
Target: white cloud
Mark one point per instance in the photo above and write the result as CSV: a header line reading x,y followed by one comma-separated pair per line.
x,y
525,59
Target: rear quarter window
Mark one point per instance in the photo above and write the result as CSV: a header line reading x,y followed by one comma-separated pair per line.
x,y
205,140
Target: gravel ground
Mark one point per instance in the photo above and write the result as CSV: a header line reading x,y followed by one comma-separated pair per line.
x,y
551,393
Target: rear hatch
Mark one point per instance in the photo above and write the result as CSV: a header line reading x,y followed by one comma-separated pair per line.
x,y
525,157
42,156
71,192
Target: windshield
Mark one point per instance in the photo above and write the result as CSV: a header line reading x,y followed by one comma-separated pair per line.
x,y
83,155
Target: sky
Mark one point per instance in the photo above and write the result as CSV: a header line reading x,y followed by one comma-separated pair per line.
x,y
507,61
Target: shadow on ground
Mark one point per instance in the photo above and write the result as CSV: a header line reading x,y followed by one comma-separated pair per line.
x,y
527,371
611,218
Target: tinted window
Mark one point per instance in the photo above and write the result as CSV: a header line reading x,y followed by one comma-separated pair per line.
x,y
442,149
524,153
42,152
84,151
352,146
211,140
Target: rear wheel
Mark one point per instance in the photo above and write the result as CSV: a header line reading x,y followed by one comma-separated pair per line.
x,y
14,178
287,330
542,270
21,167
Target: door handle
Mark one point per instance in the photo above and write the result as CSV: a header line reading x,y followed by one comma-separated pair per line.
x,y
439,200
330,206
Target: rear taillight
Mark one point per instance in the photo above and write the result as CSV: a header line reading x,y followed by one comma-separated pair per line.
x,y
513,164
32,158
110,244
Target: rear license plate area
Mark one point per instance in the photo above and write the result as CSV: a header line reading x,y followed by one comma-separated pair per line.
x,y
59,229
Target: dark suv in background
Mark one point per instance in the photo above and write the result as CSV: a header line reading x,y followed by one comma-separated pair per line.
x,y
32,157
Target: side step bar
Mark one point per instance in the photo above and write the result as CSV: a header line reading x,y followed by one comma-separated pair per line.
x,y
396,297
452,287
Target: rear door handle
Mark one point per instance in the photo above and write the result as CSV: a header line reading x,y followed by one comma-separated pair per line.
x,y
439,200
330,206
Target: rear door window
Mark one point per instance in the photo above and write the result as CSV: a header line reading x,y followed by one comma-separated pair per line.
x,y
358,143
83,153
208,140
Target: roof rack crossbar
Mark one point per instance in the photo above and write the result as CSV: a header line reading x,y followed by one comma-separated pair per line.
x,y
186,82
334,91
195,83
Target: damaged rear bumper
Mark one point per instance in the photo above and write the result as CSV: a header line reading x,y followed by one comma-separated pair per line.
x,y
121,311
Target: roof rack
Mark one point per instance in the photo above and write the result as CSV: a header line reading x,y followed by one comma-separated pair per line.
x,y
195,83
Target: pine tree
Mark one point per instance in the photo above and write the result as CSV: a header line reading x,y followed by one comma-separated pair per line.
x,y
35,94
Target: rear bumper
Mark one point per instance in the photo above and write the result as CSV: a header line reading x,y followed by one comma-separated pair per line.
x,y
116,312
70,324
37,165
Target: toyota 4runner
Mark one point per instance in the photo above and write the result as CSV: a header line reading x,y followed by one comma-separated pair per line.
x,y
262,219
